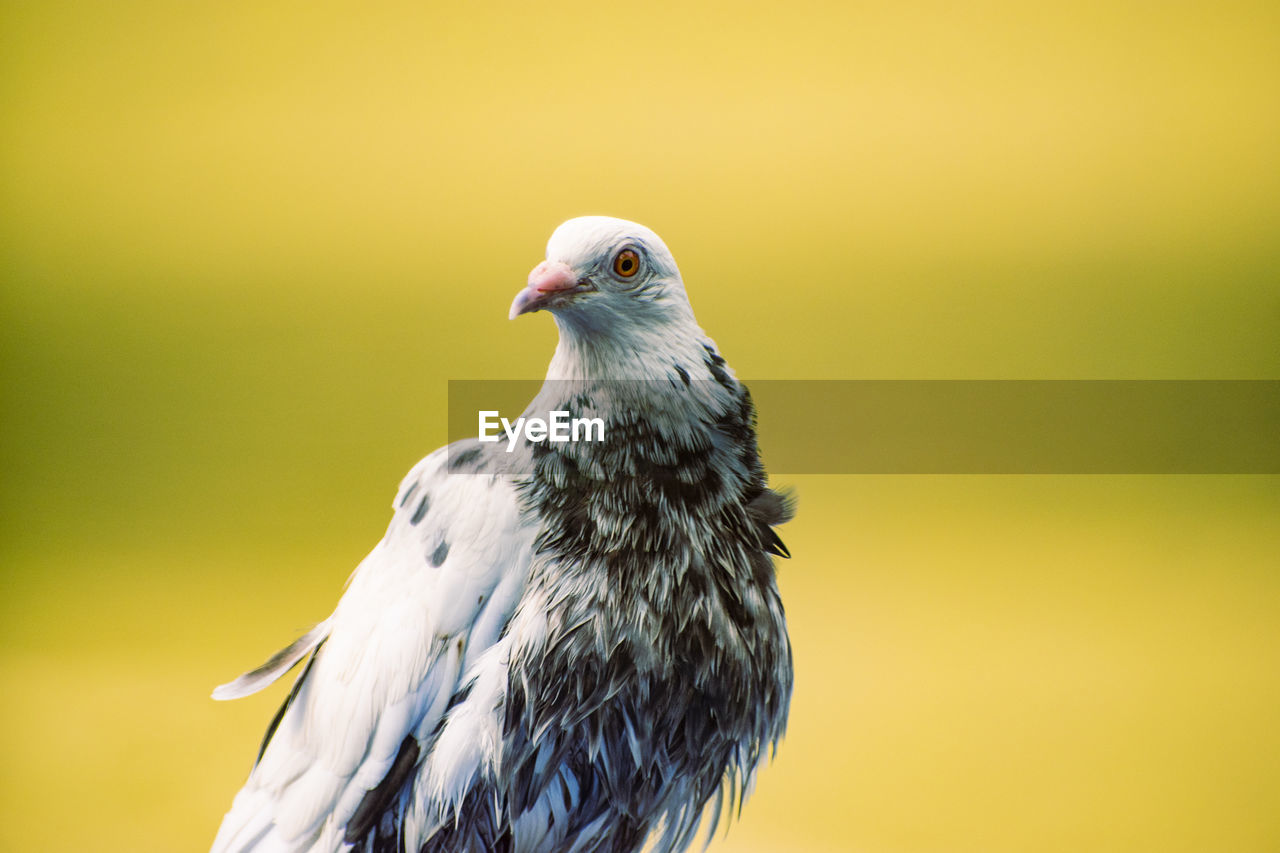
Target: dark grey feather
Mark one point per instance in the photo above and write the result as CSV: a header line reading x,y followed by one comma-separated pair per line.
x,y
284,706
379,798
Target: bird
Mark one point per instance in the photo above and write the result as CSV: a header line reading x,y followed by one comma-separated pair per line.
x,y
577,647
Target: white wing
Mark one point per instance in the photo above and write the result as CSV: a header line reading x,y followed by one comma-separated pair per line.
x,y
418,626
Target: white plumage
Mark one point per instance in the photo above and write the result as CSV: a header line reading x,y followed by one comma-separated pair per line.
x,y
402,637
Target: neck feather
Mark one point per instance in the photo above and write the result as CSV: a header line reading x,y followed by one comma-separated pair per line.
x,y
627,352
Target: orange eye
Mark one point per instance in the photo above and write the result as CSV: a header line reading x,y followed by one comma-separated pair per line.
x,y
626,263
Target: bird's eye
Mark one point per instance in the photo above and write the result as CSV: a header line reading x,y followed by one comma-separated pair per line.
x,y
626,263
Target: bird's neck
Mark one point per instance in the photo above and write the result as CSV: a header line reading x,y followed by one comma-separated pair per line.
x,y
631,354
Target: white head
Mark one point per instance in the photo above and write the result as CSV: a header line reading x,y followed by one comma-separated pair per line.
x,y
616,295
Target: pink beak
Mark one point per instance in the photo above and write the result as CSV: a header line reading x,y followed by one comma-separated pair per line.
x,y
549,281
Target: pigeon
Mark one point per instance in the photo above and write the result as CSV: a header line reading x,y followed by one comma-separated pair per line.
x,y
579,646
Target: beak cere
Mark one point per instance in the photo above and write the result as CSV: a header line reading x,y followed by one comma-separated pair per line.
x,y
551,283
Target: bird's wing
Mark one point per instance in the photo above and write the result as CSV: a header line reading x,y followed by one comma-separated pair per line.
x,y
415,636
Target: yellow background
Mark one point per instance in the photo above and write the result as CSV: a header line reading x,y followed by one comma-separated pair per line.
x,y
244,245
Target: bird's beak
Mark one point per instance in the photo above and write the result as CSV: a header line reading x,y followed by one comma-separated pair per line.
x,y
551,283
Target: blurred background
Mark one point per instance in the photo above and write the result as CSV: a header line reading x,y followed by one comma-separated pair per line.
x,y
245,245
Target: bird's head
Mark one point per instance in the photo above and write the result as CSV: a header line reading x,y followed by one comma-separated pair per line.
x,y
620,306
604,276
